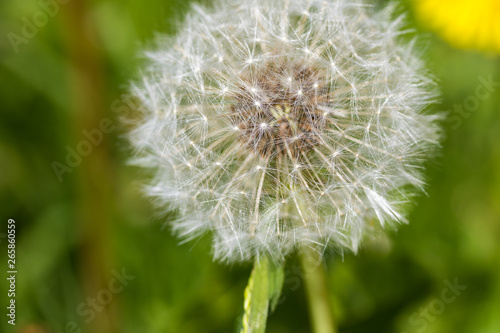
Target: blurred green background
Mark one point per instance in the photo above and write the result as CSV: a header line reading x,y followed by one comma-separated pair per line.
x,y
79,227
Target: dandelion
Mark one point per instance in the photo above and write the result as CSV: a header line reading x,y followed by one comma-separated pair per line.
x,y
276,125
279,124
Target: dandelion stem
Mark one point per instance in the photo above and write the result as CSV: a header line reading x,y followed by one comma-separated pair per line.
x,y
261,294
320,310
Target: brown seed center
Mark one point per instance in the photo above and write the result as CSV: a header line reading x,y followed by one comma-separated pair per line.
x,y
276,110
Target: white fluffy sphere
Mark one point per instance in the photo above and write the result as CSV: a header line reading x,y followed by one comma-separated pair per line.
x,y
276,124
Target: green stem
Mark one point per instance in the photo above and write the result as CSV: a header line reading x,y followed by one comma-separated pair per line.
x,y
261,294
320,310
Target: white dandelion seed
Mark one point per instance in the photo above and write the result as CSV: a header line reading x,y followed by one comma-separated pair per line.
x,y
276,147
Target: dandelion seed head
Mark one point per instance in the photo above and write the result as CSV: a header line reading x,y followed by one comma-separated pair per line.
x,y
313,133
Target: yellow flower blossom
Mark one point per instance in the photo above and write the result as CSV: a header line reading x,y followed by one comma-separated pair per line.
x,y
467,24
